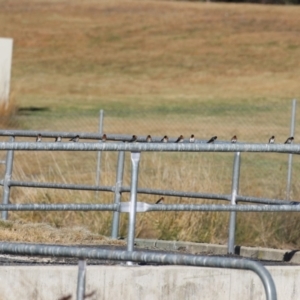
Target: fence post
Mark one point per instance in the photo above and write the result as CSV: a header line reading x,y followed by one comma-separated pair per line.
x,y
118,195
290,163
135,160
101,116
7,178
234,193
81,279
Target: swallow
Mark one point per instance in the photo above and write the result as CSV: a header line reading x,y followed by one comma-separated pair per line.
x,y
133,139
192,139
104,138
165,139
160,200
272,139
75,139
149,139
289,140
58,139
233,139
212,139
39,138
180,139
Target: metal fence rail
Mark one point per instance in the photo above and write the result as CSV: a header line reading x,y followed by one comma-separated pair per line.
x,y
122,189
118,189
134,206
146,207
152,147
143,256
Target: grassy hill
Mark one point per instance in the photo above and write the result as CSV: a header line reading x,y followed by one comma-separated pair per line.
x,y
158,67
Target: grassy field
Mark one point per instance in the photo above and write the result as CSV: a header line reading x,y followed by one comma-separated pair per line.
x,y
158,67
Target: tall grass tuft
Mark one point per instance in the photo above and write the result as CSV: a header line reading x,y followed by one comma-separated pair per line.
x,y
8,110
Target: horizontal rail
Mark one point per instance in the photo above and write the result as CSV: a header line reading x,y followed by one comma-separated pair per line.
x,y
210,196
222,207
49,185
59,207
161,147
145,207
170,193
90,136
145,256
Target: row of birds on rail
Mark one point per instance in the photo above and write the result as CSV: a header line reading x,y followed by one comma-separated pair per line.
x,y
165,139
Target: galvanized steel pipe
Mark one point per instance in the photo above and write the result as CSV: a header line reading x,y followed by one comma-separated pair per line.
x,y
144,256
64,186
118,194
59,207
163,147
135,160
145,207
234,192
7,178
81,279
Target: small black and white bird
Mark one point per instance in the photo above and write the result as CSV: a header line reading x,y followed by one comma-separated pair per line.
x,y
165,139
58,139
149,139
104,138
192,139
212,139
133,139
180,139
75,139
160,200
272,139
38,138
289,140
233,139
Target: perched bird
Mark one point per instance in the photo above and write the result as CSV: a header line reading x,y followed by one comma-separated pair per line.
x,y
58,139
212,139
272,139
104,138
39,138
192,139
233,139
165,139
149,139
133,139
160,200
75,139
289,140
180,139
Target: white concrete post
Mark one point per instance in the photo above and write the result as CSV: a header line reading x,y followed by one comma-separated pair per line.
x,y
6,46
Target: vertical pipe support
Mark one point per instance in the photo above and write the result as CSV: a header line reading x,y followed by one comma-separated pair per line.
x,y
101,117
135,160
234,193
7,178
290,161
81,279
118,195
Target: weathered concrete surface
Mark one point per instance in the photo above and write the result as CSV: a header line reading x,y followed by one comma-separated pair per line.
x,y
145,282
292,256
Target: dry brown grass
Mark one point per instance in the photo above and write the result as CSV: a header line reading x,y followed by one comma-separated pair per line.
x,y
19,231
173,67
145,52
8,111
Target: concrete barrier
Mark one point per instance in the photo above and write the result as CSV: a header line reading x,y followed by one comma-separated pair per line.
x,y
145,282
